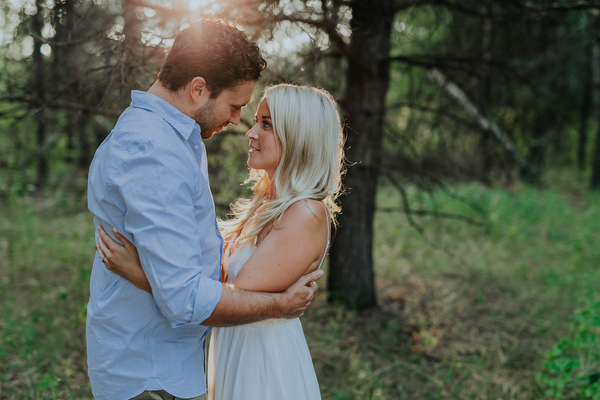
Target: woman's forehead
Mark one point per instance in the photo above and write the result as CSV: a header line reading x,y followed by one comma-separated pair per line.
x,y
263,109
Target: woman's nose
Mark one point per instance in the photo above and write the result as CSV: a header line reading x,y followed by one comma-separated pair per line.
x,y
251,134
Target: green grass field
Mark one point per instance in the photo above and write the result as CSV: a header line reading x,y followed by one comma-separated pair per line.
x,y
508,308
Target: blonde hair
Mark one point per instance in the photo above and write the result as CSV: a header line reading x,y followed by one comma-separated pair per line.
x,y
307,123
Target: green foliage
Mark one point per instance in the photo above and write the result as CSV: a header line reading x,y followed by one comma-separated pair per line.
x,y
45,260
466,311
572,366
487,301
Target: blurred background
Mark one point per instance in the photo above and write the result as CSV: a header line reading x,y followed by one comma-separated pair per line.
x,y
467,261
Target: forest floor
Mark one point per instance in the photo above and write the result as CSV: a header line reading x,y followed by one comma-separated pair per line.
x,y
505,306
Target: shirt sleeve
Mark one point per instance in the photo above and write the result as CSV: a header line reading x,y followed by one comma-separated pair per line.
x,y
161,191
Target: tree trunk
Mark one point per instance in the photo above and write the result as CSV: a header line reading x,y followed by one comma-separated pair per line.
x,y
595,182
586,104
86,143
39,90
133,41
63,66
351,277
485,142
595,179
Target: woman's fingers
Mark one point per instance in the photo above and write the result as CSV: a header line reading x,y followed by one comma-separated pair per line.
x,y
126,243
102,250
105,241
106,247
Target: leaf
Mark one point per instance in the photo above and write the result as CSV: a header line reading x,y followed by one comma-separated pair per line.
x,y
594,378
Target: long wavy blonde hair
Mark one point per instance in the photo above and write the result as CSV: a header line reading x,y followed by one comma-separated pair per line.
x,y
306,121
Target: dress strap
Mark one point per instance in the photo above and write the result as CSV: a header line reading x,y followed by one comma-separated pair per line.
x,y
328,234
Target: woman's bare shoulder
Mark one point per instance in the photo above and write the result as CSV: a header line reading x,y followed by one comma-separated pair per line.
x,y
306,212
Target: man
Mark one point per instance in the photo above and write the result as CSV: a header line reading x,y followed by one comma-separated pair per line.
x,y
149,180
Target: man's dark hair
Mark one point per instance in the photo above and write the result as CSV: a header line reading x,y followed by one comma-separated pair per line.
x,y
215,50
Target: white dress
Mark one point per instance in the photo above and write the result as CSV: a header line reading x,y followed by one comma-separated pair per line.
x,y
267,360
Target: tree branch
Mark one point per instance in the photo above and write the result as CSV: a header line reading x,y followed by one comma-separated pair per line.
x,y
82,108
404,4
485,124
164,11
329,27
436,111
557,5
436,214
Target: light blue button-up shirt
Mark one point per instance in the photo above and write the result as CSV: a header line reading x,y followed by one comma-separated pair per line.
x,y
149,180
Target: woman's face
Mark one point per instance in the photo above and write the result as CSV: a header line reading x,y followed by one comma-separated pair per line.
x,y
265,147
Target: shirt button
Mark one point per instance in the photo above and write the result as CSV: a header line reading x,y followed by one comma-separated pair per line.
x,y
196,147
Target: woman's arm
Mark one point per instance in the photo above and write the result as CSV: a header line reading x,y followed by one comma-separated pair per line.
x,y
122,260
280,264
294,247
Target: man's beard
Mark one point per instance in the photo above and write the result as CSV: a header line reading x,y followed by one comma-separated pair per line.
x,y
204,118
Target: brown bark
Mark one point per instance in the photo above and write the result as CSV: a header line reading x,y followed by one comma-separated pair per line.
x,y
485,143
133,42
39,81
595,179
351,277
586,104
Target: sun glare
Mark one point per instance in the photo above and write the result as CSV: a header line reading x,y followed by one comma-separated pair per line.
x,y
206,5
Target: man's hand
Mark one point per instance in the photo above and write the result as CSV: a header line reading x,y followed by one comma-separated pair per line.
x,y
298,297
241,306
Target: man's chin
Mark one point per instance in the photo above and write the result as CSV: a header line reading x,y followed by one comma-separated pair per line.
x,y
207,134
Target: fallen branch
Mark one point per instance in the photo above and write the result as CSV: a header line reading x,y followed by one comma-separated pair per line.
x,y
484,123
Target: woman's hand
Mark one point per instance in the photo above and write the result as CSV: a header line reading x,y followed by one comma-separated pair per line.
x,y
122,260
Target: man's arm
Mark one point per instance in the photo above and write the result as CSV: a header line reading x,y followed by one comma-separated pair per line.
x,y
238,306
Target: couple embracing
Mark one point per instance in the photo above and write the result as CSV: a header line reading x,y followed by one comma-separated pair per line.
x,y
166,272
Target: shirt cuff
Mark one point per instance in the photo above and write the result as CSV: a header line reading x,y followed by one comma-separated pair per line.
x,y
208,296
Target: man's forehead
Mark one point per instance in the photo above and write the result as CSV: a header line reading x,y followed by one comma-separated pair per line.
x,y
240,95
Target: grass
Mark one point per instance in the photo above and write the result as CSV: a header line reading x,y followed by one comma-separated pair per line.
x,y
507,309
45,258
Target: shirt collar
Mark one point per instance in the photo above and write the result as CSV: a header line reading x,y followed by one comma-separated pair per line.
x,y
183,124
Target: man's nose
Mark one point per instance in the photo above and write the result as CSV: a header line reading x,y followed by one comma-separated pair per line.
x,y
235,117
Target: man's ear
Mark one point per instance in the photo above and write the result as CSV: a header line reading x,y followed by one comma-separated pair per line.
x,y
198,90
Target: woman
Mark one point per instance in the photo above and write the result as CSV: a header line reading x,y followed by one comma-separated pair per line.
x,y
275,237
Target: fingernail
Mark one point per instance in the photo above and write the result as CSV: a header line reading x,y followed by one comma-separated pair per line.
x,y
114,230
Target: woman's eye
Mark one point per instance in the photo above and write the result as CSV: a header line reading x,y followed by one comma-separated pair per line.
x,y
266,125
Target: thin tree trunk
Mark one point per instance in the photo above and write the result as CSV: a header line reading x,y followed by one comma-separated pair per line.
x,y
586,104
595,182
39,89
86,142
133,34
351,276
485,143
63,66
595,178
